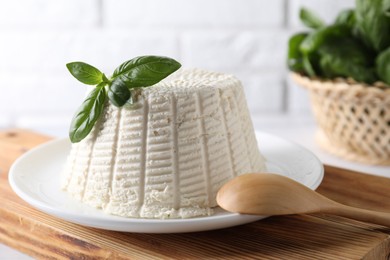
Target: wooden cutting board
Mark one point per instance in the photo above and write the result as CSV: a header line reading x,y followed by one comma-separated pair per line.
x,y
291,237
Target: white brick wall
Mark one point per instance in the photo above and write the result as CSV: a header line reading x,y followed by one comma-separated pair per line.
x,y
184,14
46,52
49,14
246,38
235,51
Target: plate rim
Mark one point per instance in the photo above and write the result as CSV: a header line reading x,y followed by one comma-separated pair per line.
x,y
109,223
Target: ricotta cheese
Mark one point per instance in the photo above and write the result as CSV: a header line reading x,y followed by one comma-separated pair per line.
x,y
167,155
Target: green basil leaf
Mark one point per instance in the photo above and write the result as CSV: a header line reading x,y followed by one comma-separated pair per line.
x,y
295,57
386,7
307,65
145,71
310,19
105,79
347,18
387,12
87,114
346,57
373,23
314,40
383,66
85,73
118,93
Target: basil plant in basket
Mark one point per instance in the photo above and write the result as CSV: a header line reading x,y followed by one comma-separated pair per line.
x,y
345,66
356,45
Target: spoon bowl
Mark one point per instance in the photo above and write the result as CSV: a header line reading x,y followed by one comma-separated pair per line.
x,y
272,194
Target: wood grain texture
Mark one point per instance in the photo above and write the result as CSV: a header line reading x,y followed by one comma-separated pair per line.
x,y
290,237
15,142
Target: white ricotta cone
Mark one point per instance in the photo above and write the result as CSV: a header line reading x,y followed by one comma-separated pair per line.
x,y
166,156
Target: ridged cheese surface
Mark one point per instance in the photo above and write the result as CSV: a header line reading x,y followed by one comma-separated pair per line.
x,y
167,155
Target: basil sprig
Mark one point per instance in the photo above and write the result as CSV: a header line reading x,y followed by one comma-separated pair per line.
x,y
143,71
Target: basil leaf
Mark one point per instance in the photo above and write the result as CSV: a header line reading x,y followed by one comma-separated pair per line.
x,y
346,57
347,18
105,79
294,58
85,73
383,66
87,114
118,93
310,19
387,10
308,67
373,23
145,71
314,40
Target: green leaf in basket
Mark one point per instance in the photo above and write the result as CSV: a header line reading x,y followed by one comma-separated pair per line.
x,y
345,57
295,57
310,19
383,65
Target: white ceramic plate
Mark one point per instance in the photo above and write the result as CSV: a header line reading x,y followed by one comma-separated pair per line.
x,y
35,177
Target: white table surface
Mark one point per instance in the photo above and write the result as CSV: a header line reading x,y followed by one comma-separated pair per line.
x,y
302,130
299,129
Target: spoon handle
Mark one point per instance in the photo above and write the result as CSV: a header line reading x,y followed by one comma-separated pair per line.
x,y
376,217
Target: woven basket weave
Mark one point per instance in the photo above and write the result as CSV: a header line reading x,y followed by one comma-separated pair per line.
x,y
354,119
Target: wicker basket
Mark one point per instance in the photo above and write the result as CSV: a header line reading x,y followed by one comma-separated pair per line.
x,y
354,119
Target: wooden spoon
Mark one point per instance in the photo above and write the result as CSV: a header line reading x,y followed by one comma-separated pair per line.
x,y
272,194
